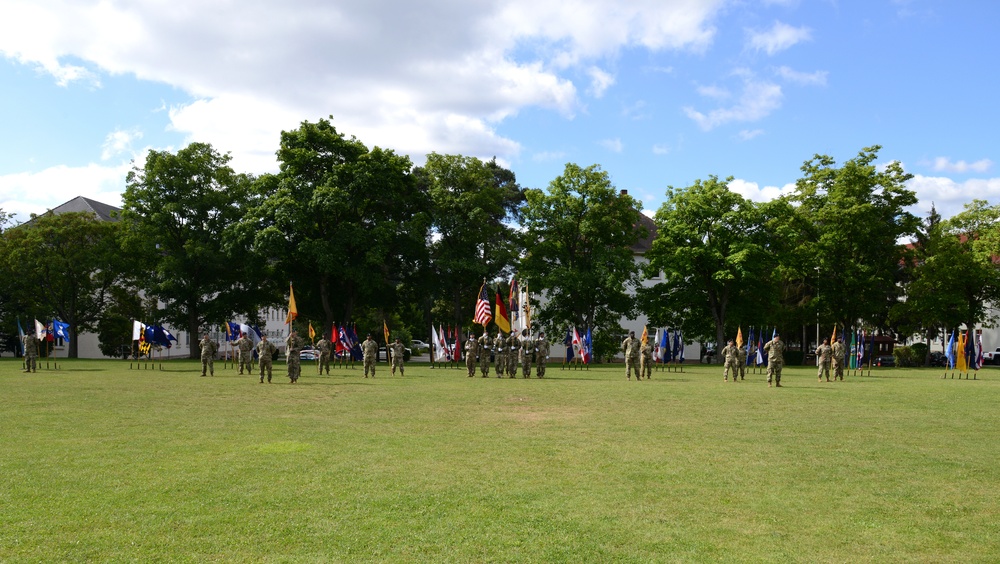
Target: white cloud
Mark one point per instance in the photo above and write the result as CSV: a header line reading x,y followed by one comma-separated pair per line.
x,y
753,191
715,92
614,145
27,193
661,149
600,81
119,142
416,77
748,134
758,100
817,78
781,36
944,164
949,196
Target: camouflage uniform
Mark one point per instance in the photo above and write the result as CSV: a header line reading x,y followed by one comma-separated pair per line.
x,y
369,350
823,355
731,356
646,361
630,346
397,350
265,352
485,344
293,346
838,352
526,354
775,350
500,354
208,350
513,348
324,347
742,359
541,355
245,353
30,352
471,354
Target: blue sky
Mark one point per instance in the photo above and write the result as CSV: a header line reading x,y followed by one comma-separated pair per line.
x,y
657,92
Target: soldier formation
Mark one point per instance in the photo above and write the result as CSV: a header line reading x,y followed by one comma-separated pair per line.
x,y
506,352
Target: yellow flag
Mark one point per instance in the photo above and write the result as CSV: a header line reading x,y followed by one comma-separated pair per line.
x,y
312,332
833,336
293,311
961,363
645,335
739,337
385,330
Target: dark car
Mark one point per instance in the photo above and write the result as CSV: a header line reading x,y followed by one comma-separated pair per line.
x,y
938,359
884,361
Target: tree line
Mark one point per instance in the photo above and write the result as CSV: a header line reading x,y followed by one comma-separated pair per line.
x,y
366,236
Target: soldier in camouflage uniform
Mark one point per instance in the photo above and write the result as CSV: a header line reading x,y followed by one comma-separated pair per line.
x,y
742,359
513,347
31,352
369,350
526,353
245,353
471,354
541,354
646,360
485,344
823,356
731,358
293,346
630,346
838,352
265,353
775,350
324,347
500,354
397,350
208,350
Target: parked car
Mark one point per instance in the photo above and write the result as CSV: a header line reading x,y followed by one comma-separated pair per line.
x,y
308,353
992,357
420,346
885,361
938,359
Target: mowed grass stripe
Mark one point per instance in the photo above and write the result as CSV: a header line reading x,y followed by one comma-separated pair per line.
x,y
99,462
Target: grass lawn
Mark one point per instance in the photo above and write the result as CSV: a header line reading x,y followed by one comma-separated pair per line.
x,y
102,463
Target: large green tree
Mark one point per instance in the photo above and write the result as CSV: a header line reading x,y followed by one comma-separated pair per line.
x,y
177,207
716,252
64,266
579,254
853,217
474,207
346,224
975,268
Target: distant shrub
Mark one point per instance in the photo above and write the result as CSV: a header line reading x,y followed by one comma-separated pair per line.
x,y
919,352
905,356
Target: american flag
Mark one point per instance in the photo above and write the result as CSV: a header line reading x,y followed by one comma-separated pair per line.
x,y
483,316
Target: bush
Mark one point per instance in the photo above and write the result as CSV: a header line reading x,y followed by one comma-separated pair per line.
x,y
905,357
919,352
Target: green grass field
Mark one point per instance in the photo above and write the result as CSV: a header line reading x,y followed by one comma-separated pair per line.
x,y
102,463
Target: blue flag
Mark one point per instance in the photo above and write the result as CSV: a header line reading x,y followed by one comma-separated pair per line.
x,y
61,329
568,341
588,355
749,342
664,347
950,353
20,333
